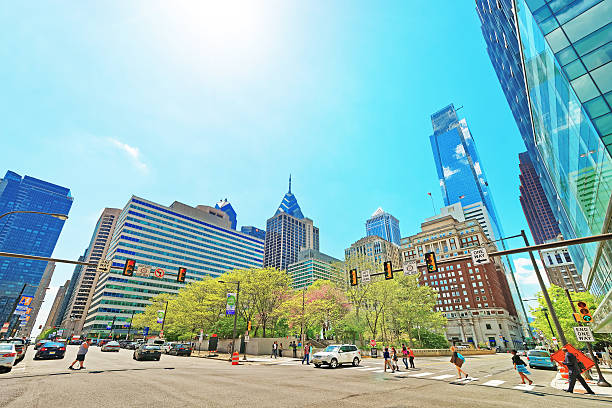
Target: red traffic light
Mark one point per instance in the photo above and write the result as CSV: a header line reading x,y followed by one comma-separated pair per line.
x,y
180,277
128,268
353,277
388,270
581,304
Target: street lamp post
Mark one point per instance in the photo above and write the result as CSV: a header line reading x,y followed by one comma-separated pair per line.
x,y
235,311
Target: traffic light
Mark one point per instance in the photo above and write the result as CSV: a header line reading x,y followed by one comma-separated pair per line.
x,y
585,313
128,269
388,270
430,261
353,277
181,275
249,326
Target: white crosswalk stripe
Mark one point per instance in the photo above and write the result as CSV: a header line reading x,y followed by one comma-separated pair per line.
x,y
442,377
494,383
524,387
420,374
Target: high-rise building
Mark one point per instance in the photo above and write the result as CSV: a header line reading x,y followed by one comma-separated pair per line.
x,y
374,249
80,299
540,218
26,327
384,225
560,268
253,231
227,208
76,276
560,51
163,239
53,316
475,299
31,234
313,265
287,233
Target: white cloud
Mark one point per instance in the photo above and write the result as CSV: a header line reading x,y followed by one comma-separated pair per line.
x,y
459,151
131,151
525,274
477,168
447,171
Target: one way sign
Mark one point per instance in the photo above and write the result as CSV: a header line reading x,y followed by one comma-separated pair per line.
x,y
480,256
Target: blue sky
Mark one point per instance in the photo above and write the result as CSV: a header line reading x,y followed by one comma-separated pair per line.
x,y
205,101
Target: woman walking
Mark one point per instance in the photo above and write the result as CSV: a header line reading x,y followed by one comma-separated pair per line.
x,y
394,359
520,367
405,355
411,357
457,359
387,358
280,350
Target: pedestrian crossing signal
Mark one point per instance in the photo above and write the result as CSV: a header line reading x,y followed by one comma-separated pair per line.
x,y
430,261
585,313
181,275
388,270
353,277
128,268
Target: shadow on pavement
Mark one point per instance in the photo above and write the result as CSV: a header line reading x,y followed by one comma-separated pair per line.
x,y
87,372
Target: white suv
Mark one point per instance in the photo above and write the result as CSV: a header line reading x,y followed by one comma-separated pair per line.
x,y
336,355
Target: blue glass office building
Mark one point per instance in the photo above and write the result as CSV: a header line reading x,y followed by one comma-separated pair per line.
x,y
384,225
565,52
31,234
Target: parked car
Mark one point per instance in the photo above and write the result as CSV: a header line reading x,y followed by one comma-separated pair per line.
x,y
103,342
20,347
165,348
540,359
131,345
8,355
336,355
180,350
51,349
147,352
111,346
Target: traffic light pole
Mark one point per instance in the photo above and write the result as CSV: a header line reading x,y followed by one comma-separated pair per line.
x,y
602,381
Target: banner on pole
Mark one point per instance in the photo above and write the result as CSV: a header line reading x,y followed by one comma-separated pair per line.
x,y
230,309
160,316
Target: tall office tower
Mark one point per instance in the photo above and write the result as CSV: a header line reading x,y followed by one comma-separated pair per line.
x,y
227,208
313,265
161,240
560,268
74,279
253,231
384,225
31,234
475,299
462,178
540,218
56,306
80,299
27,326
375,250
287,233
561,49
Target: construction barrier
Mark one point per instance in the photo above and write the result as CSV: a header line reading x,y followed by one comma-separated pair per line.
x,y
564,372
235,358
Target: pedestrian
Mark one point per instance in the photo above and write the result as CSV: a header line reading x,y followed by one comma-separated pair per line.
x,y
80,357
280,350
405,355
457,359
394,359
294,347
520,367
411,357
571,362
274,350
387,358
306,354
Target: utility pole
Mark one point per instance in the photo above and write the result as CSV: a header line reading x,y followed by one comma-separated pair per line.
x,y
127,337
112,327
602,381
164,319
235,316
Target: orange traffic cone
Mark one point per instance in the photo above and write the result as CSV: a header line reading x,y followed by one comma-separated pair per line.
x,y
235,358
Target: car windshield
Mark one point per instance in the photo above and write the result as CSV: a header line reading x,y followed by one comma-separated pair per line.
x,y
5,347
152,348
112,343
331,348
53,344
539,354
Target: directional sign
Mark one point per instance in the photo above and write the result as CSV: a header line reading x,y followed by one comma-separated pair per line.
x,y
480,256
410,268
104,266
365,276
159,273
246,339
5,327
144,271
584,334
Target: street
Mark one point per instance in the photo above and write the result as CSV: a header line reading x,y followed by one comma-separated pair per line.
x,y
115,379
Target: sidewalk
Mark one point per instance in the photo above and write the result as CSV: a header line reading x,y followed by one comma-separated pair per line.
x,y
250,358
561,383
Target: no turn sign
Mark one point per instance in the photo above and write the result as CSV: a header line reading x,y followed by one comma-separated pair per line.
x,y
159,273
480,256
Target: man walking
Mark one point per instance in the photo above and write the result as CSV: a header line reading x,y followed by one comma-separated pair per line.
x,y
80,357
274,350
571,362
306,354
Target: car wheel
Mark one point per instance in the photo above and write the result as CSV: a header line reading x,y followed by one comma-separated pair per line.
x,y
317,365
134,356
333,363
35,358
355,362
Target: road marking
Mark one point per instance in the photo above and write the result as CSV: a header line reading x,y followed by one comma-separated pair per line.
x,y
420,374
494,383
442,377
524,387
370,368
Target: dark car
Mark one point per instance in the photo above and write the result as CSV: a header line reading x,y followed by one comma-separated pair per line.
x,y
49,350
132,345
180,350
20,347
39,343
147,352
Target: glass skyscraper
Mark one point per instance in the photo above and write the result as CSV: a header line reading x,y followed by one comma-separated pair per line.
x,y
30,234
227,208
384,225
563,50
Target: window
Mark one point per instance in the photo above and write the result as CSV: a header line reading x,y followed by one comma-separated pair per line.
x,y
488,326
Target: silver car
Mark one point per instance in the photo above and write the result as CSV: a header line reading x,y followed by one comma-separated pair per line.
x,y
8,355
336,355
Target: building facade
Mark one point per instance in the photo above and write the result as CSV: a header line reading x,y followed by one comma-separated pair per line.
x,y
80,299
227,208
564,59
476,300
31,234
375,250
197,238
384,225
287,233
540,218
561,270
253,231
313,265
26,327
53,316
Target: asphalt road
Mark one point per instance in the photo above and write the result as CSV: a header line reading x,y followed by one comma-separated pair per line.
x,y
116,380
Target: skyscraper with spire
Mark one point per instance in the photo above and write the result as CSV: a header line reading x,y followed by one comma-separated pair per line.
x,y
288,232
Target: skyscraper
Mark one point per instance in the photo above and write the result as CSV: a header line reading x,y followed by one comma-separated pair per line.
x,y
253,231
31,234
56,306
374,249
27,326
313,265
384,225
227,208
562,52
462,178
540,218
287,233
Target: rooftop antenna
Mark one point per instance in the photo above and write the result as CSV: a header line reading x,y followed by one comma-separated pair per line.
x,y
289,183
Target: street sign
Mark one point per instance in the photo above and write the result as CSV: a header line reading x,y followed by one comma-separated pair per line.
x,y
246,339
584,334
145,331
144,271
480,256
25,301
410,268
230,308
104,266
159,273
365,276
5,327
554,339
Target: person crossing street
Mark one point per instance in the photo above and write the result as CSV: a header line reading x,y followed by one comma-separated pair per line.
x,y
571,362
80,357
520,367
